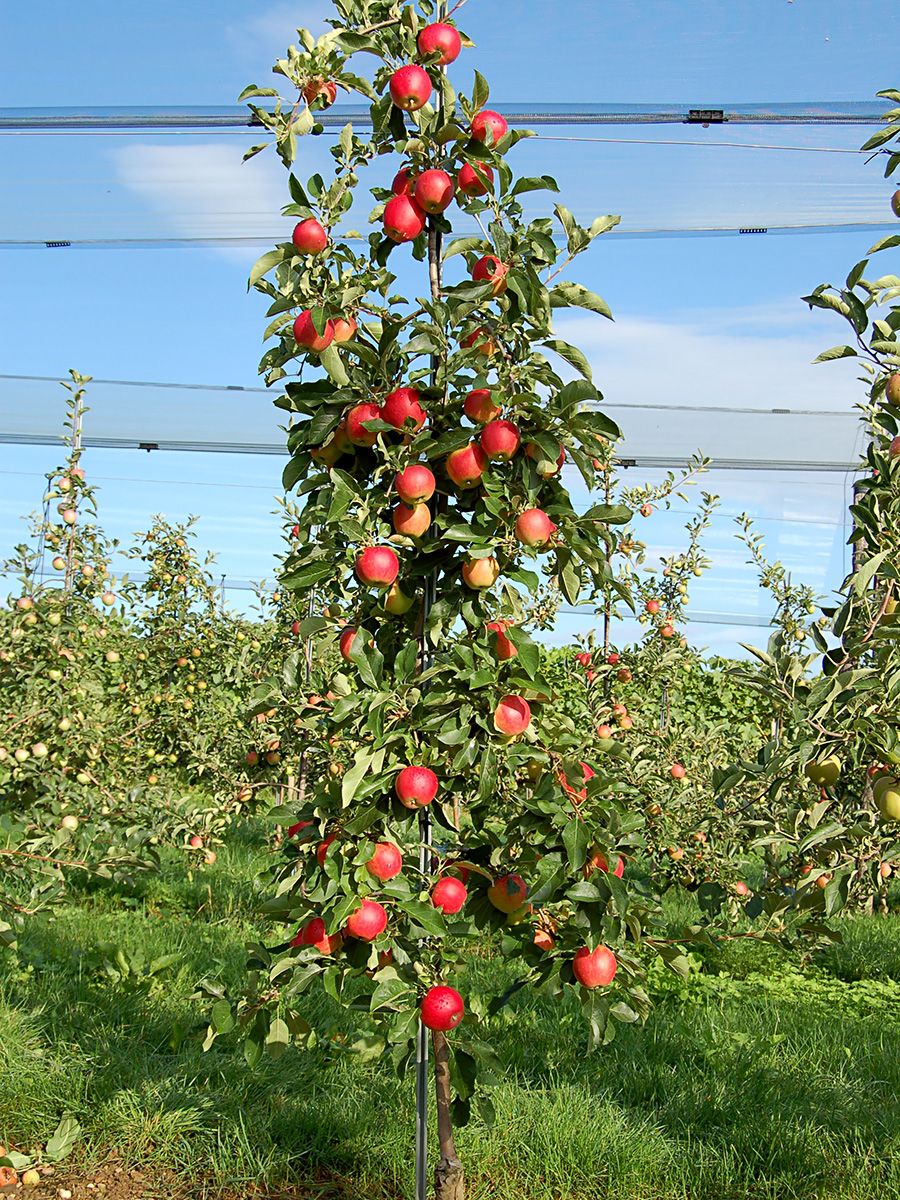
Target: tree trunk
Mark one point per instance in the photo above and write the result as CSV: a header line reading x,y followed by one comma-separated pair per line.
x,y
449,1182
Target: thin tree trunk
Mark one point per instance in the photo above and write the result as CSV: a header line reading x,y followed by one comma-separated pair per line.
x,y
449,1181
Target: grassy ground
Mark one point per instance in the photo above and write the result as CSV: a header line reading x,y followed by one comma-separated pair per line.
x,y
757,1080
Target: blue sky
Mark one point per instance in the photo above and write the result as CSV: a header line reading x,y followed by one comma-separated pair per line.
x,y
699,321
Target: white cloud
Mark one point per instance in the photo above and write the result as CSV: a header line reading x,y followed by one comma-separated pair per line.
x,y
264,36
204,190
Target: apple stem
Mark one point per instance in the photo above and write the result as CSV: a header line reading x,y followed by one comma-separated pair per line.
x,y
449,1180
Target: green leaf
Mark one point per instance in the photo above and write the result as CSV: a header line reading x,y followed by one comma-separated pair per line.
x,y
354,777
67,1133
534,183
575,842
572,355
264,264
835,352
864,576
331,361
573,295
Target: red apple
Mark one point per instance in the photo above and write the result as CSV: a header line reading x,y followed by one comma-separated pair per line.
x,y
479,573
402,406
479,406
504,647
344,329
677,771
892,389
512,716
410,88
624,675
306,334
442,1008
368,922
534,528
345,641
488,120
356,432
507,893
604,732
598,862
583,659
894,448
411,521
490,269
646,510
467,465
652,607
612,659
667,631
414,484
594,968
322,849
403,219
416,786
481,342
475,180
377,566
313,934
386,862
320,89
441,39
404,182
449,895
309,236
500,440
577,795
741,888
434,191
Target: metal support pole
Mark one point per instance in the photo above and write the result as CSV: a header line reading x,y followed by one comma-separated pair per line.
x,y
425,829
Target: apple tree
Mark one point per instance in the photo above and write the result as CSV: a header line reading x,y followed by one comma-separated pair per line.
x,y
827,780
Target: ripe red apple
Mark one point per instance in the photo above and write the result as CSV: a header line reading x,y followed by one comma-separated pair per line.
x,y
604,732
504,647
356,432
500,440
741,888
584,659
320,89
489,121
412,521
624,675
345,641
309,236
196,842
481,342
368,922
306,334
652,607
594,968
892,389
612,659
377,566
404,182
442,1008
507,893
449,895
441,39
414,484
474,180
490,269
467,465
535,529
599,862
416,786
512,716
402,406
479,406
251,758
666,631
410,88
403,219
625,723
322,849
646,510
434,191
313,934
479,573
344,329
386,862
577,795
677,771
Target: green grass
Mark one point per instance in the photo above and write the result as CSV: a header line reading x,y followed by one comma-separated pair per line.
x,y
756,1080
